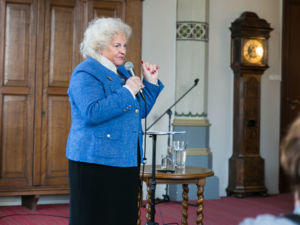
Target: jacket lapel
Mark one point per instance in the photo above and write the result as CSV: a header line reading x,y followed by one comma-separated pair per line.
x,y
121,70
101,72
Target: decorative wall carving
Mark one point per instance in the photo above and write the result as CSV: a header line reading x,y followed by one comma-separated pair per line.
x,y
195,31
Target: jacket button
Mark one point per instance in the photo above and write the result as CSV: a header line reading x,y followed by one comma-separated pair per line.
x,y
136,111
108,135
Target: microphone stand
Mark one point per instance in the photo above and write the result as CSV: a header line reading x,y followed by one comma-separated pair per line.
x,y
153,183
195,84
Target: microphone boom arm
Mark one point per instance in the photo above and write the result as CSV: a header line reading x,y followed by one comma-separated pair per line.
x,y
169,109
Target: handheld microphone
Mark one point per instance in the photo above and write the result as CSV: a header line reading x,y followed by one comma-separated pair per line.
x,y
129,67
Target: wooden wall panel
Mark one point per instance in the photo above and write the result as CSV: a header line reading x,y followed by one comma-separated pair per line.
x,y
17,63
58,129
61,41
290,92
16,142
107,9
14,138
133,11
61,45
17,46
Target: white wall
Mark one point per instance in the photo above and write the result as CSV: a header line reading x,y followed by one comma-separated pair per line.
x,y
159,47
191,62
220,87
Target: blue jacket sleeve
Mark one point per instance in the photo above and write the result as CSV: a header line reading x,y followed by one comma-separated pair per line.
x,y
151,93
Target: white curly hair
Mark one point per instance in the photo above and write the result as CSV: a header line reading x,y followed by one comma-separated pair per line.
x,y
100,33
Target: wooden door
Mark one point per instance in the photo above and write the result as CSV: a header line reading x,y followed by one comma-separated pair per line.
x,y
60,55
39,48
290,92
17,89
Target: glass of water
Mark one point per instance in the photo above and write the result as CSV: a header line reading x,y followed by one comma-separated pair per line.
x,y
179,151
166,162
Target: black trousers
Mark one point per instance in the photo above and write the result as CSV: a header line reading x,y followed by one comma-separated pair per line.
x,y
103,195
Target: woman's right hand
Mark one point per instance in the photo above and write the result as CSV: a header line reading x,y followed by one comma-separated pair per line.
x,y
134,84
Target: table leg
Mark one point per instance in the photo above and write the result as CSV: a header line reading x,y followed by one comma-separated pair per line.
x,y
148,204
185,205
139,205
200,187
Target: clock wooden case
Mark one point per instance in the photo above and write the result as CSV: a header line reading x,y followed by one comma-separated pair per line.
x,y
249,55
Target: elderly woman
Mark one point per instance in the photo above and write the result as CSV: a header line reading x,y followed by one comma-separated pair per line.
x,y
105,141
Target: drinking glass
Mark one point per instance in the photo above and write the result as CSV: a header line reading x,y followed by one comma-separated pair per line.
x,y
179,151
166,162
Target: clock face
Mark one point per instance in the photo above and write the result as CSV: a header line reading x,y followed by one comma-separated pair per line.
x,y
253,51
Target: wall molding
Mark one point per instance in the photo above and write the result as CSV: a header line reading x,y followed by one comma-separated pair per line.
x,y
190,114
188,122
198,151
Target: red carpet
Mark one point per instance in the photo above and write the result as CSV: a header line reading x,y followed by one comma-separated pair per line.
x,y
44,215
230,210
224,211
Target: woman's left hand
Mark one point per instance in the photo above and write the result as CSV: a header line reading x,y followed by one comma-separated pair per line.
x,y
150,72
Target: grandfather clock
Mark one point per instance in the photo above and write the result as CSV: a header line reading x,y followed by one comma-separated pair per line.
x,y
249,56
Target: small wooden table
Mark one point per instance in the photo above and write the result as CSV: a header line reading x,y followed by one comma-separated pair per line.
x,y
189,175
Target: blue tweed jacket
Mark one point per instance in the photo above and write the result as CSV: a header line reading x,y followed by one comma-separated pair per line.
x,y
106,119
